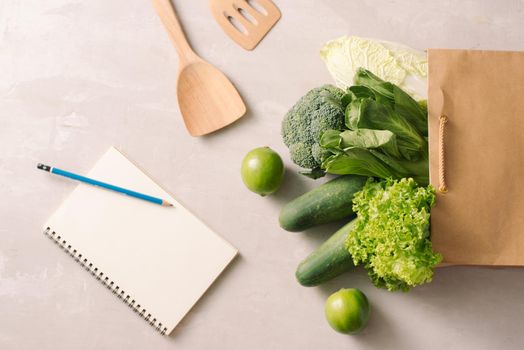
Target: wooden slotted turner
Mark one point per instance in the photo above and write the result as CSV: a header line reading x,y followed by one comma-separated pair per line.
x,y
245,21
207,99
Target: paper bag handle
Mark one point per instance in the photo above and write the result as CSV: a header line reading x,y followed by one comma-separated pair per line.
x,y
443,188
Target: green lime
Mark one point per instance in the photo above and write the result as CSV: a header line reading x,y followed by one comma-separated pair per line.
x,y
347,310
262,170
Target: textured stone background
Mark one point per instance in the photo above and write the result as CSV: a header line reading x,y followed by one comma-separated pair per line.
x,y
79,76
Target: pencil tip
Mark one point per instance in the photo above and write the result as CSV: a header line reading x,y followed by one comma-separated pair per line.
x,y
166,204
43,167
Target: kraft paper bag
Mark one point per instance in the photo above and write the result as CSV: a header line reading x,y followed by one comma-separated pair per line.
x,y
478,154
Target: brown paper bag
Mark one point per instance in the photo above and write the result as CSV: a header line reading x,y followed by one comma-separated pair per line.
x,y
480,220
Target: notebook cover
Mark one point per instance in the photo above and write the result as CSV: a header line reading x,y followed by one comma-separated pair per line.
x,y
480,220
159,260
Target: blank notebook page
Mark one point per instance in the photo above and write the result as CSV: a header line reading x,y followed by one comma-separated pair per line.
x,y
163,258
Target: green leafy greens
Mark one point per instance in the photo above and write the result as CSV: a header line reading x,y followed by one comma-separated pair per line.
x,y
386,133
392,62
391,233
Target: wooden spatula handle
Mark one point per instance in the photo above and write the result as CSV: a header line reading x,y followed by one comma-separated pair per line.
x,y
167,14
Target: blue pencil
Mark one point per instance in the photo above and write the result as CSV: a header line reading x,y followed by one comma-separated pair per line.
x,y
93,182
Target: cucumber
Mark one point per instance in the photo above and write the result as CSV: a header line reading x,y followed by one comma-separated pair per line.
x,y
328,261
329,202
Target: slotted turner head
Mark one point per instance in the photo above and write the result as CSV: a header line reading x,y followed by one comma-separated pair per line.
x,y
245,21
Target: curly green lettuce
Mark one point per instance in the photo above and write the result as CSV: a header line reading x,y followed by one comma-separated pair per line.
x,y
391,233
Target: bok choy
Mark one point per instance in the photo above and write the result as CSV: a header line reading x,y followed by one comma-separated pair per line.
x,y
385,136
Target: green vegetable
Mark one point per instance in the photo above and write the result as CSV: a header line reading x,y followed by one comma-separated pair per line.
x,y
391,233
329,202
395,98
385,136
317,111
262,171
330,260
390,236
398,64
362,138
357,161
347,311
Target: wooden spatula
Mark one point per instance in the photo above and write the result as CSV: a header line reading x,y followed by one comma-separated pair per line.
x,y
207,99
245,21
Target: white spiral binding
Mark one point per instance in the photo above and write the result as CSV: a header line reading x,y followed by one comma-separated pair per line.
x,y
106,281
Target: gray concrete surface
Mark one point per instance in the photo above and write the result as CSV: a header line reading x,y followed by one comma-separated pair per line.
x,y
79,76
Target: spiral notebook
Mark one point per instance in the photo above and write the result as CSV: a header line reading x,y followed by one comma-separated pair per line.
x,y
157,260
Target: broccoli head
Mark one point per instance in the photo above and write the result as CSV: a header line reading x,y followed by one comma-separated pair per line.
x,y
317,111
